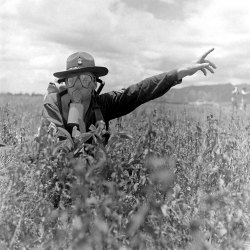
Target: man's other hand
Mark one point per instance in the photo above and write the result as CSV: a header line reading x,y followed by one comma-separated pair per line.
x,y
202,64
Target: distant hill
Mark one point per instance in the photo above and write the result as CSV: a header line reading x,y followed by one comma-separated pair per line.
x,y
218,93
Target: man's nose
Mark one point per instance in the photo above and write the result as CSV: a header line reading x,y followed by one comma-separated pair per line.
x,y
78,84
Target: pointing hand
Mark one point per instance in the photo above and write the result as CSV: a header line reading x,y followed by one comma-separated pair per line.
x,y
202,64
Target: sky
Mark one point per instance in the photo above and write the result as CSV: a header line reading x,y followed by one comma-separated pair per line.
x,y
134,39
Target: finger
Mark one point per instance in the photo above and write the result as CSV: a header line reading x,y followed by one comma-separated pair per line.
x,y
205,55
212,64
208,68
201,65
204,72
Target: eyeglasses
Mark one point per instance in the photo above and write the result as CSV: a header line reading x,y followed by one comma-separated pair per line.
x,y
85,79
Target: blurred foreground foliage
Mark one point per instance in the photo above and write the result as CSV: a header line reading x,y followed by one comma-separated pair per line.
x,y
173,178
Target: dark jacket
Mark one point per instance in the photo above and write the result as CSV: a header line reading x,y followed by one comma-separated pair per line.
x,y
112,104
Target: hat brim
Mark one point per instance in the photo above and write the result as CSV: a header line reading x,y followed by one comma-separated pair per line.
x,y
97,71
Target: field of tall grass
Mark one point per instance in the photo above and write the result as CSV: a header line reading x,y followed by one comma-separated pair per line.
x,y
171,177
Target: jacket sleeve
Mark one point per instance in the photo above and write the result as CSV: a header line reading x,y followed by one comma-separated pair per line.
x,y
51,110
119,103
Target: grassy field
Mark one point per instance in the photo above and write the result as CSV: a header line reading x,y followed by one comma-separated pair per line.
x,y
173,177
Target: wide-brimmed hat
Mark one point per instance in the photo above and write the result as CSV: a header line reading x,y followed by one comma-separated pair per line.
x,y
81,62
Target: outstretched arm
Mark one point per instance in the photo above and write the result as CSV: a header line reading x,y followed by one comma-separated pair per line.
x,y
118,103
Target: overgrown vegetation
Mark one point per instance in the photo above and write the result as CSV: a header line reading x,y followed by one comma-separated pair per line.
x,y
174,177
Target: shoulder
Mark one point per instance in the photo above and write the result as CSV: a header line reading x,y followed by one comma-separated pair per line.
x,y
53,90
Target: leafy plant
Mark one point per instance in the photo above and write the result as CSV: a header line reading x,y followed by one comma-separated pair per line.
x,y
172,179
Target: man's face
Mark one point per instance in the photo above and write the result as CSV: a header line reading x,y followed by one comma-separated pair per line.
x,y
80,86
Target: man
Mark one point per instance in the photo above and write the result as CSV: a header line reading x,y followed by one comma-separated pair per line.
x,y
234,99
79,105
243,94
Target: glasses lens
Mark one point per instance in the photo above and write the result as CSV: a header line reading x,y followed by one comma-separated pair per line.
x,y
86,80
71,81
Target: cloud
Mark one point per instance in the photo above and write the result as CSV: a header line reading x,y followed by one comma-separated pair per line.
x,y
134,39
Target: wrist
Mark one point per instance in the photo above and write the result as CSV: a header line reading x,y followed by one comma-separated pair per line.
x,y
180,73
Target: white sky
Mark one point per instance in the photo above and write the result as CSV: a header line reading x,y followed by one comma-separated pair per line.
x,y
134,39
